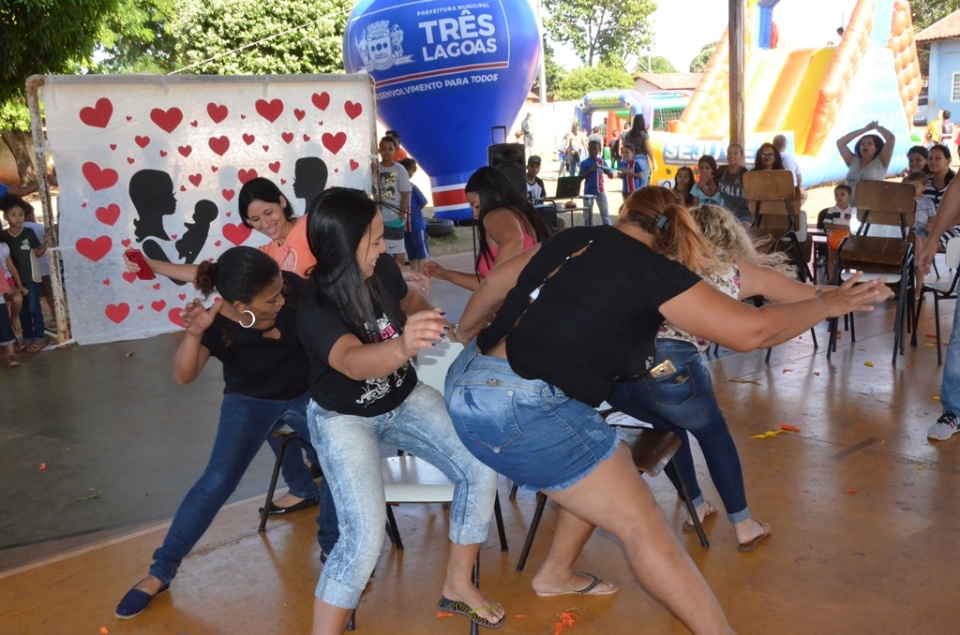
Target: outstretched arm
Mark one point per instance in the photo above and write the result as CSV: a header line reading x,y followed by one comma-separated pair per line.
x,y
947,216
183,273
486,301
888,142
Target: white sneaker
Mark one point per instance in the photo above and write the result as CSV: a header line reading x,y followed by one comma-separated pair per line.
x,y
945,427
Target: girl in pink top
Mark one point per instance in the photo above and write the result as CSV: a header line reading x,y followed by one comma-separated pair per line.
x,y
506,225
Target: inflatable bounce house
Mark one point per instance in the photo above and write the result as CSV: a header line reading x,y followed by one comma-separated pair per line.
x,y
812,96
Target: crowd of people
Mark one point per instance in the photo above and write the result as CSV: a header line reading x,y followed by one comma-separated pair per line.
x,y
319,329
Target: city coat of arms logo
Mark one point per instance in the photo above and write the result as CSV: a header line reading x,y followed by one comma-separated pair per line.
x,y
381,46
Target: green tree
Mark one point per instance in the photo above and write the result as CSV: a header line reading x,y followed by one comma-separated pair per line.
x,y
40,37
227,37
699,63
925,13
137,38
581,81
655,64
600,31
555,73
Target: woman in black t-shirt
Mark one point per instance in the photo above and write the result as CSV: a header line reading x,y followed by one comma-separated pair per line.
x,y
523,396
361,327
252,331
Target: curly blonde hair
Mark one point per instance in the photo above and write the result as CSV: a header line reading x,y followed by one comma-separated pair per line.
x,y
676,236
730,238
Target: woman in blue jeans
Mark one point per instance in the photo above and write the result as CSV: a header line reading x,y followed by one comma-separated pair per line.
x,y
523,397
682,399
252,331
362,328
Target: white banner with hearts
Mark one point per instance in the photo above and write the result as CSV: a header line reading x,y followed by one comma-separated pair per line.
x,y
157,162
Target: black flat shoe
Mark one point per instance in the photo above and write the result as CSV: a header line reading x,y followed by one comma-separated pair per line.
x,y
275,510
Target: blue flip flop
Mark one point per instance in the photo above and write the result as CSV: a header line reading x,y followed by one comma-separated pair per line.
x,y
464,609
136,601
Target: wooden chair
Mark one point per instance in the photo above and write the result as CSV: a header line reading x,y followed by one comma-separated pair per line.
x,y
652,452
941,290
885,258
775,208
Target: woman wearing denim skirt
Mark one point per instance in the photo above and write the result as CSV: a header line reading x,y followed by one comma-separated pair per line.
x,y
252,330
362,327
569,318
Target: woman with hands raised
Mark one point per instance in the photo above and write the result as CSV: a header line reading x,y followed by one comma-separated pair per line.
x,y
252,331
362,327
870,158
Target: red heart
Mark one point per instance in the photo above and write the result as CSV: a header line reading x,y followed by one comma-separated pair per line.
x,y
321,101
143,142
299,114
320,123
129,118
269,110
333,142
158,305
306,137
216,244
220,145
125,242
185,150
194,123
182,296
217,113
130,160
283,181
195,179
94,249
245,175
140,307
243,116
99,115
236,234
129,276
228,194
97,178
266,148
113,146
174,316
173,236
117,313
163,153
336,170
214,169
168,119
287,137
106,282
353,165
183,188
274,167
248,138
229,214
353,109
83,205
156,286
108,215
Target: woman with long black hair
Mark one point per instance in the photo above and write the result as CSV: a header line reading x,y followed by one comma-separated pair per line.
x,y
362,327
506,225
639,137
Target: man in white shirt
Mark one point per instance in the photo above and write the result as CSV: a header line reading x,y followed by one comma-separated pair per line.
x,y
789,163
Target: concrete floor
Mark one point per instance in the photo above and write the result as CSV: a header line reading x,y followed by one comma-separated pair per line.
x,y
864,509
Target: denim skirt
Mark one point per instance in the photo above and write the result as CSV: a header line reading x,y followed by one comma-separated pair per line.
x,y
525,429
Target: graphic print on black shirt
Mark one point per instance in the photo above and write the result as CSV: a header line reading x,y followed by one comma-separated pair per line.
x,y
379,387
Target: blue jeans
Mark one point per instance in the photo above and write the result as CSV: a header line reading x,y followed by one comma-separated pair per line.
x,y
601,199
684,402
644,167
31,315
950,388
525,429
349,449
245,423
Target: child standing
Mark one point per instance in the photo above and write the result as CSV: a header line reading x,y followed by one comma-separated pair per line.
x,y
631,171
25,248
394,199
837,222
415,234
925,207
592,170
9,286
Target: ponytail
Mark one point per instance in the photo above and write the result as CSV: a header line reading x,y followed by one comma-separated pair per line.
x,y
205,280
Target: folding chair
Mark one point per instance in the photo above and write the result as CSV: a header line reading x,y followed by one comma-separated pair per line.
x,y
889,259
941,290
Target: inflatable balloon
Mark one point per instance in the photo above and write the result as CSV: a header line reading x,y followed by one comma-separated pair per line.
x,y
447,72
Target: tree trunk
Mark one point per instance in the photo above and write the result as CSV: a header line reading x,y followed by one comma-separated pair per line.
x,y
21,146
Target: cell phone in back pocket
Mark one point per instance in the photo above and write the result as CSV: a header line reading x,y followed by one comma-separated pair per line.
x,y
663,369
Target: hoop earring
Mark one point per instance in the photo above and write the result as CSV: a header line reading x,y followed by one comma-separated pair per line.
x,y
253,319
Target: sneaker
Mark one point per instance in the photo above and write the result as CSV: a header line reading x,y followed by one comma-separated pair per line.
x,y
945,427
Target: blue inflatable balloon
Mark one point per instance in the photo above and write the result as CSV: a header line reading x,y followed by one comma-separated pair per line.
x,y
447,72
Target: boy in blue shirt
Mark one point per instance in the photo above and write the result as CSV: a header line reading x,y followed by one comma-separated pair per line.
x,y
592,170
631,170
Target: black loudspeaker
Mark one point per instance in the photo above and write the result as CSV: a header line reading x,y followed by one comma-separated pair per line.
x,y
509,158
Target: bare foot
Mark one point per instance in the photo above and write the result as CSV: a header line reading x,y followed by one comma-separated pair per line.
x,y
574,583
286,500
749,530
484,606
704,509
